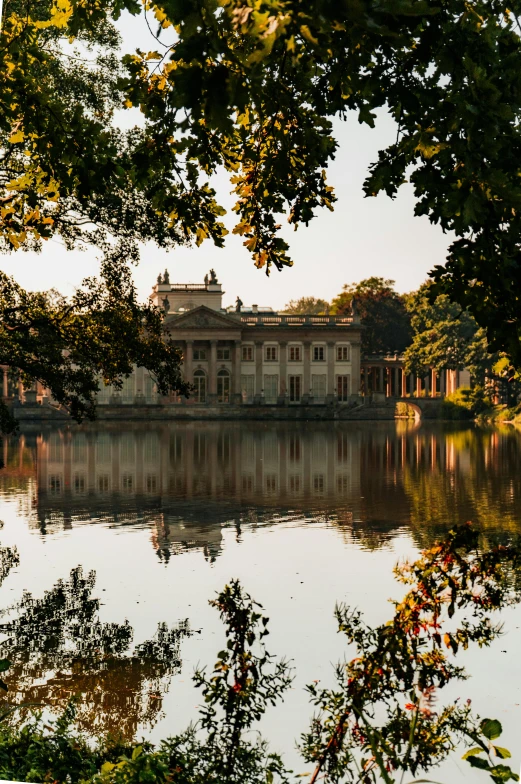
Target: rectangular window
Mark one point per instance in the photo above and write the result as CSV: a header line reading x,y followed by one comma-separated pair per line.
x,y
319,353
343,384
318,484
295,389
223,354
271,353
103,483
295,354
271,389
248,388
199,354
247,353
342,353
295,484
318,387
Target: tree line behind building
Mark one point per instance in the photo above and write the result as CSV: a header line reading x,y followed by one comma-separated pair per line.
x,y
428,331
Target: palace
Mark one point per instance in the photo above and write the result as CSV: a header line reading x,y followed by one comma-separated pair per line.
x,y
251,362
247,356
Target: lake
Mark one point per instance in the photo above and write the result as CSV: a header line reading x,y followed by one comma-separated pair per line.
x,y
123,528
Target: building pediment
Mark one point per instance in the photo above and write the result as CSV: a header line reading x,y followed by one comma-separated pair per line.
x,y
202,318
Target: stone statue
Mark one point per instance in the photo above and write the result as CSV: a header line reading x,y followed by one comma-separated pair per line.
x,y
238,305
213,276
166,305
159,279
166,277
206,279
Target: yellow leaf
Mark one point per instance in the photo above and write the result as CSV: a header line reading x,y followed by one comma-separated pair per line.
x,y
306,32
17,137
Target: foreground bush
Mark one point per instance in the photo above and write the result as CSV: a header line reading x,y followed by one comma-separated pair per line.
x,y
464,403
379,723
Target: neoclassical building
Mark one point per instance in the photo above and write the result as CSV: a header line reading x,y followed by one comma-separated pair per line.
x,y
246,356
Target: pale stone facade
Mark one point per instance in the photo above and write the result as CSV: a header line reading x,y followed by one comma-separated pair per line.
x,y
256,356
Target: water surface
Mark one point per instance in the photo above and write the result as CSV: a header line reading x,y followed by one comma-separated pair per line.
x,y
122,528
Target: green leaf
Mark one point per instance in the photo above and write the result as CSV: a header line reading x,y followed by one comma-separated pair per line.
x,y
136,753
501,773
478,762
4,665
501,752
491,728
472,752
3,685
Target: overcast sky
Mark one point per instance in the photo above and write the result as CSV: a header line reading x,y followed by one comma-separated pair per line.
x,y
362,237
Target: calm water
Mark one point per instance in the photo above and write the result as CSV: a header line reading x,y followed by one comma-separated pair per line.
x,y
123,528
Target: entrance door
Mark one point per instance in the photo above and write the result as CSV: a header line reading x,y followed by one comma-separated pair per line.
x,y
295,389
223,386
200,386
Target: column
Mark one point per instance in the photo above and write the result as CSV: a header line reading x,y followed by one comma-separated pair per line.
x,y
283,372
188,363
5,389
212,380
307,372
395,390
418,386
434,377
388,380
404,383
355,369
236,396
259,348
330,390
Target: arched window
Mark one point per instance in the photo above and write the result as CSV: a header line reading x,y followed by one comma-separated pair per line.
x,y
200,386
223,386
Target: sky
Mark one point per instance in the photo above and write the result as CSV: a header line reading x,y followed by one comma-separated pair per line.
x,y
362,237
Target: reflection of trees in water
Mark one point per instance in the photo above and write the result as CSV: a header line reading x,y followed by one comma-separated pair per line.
x,y
481,482
59,647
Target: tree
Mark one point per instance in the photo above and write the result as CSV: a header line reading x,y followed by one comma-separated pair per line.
x,y
382,312
307,305
251,85
66,171
445,336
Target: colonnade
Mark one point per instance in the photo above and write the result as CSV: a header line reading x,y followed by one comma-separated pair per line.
x,y
389,379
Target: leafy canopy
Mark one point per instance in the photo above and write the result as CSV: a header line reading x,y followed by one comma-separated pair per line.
x,y
307,305
382,312
251,85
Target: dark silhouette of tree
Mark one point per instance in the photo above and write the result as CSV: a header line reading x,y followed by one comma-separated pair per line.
x,y
382,311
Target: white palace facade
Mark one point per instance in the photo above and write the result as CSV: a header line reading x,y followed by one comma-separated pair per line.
x,y
240,361
253,356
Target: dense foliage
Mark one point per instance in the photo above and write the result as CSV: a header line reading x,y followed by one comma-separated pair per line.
x,y
252,84
382,312
378,723
307,305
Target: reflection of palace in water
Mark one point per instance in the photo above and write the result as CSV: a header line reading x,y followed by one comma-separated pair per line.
x,y
187,481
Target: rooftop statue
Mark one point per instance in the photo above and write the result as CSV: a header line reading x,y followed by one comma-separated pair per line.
x,y
166,277
238,305
213,276
159,279
206,279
